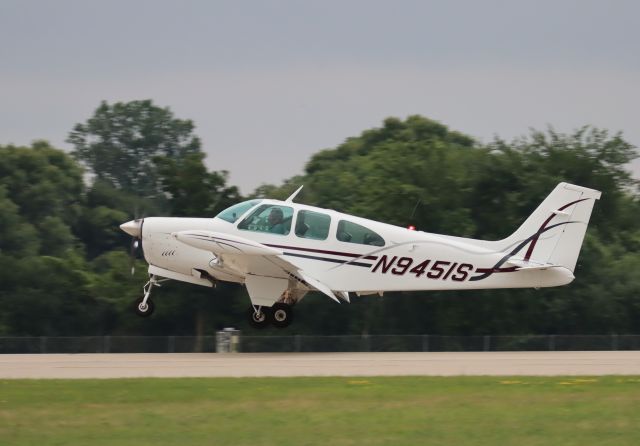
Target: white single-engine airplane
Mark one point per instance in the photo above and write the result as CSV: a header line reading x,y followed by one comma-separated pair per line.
x,y
281,250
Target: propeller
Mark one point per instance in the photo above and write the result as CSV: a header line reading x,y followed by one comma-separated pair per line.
x,y
133,253
134,229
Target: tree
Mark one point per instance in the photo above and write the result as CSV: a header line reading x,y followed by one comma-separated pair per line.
x,y
119,142
415,171
192,191
18,237
510,182
45,186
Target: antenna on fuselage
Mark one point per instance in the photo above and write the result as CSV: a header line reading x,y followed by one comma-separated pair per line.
x,y
411,226
293,195
415,208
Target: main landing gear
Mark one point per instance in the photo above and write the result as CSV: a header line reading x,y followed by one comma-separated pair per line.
x,y
279,315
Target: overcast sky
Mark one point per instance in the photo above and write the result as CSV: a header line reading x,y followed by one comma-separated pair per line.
x,y
268,83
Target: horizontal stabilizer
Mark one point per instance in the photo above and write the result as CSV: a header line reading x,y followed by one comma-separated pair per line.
x,y
524,265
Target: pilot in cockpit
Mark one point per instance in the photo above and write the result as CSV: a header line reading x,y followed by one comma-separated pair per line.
x,y
275,221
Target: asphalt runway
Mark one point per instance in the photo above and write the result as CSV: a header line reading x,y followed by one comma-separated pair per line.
x,y
42,366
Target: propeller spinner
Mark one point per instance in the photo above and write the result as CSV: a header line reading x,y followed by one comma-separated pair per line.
x,y
133,227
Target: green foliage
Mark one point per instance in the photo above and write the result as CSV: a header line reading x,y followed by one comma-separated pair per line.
x,y
46,187
528,168
49,296
17,236
191,190
407,172
119,142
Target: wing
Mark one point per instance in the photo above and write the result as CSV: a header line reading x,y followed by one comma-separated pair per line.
x,y
265,270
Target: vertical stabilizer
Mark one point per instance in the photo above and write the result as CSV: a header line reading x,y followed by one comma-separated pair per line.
x,y
554,232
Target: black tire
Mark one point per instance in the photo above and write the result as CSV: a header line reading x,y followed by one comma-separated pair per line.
x,y
143,312
259,320
281,315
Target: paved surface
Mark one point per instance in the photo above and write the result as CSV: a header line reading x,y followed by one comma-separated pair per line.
x,y
318,364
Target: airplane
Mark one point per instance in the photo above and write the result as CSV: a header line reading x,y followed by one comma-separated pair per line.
x,y
281,250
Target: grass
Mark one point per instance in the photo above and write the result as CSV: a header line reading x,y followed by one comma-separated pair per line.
x,y
322,411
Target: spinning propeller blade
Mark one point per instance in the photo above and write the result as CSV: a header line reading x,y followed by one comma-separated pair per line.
x,y
134,229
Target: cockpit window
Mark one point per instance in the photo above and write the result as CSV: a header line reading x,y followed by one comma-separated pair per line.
x,y
354,233
236,211
271,218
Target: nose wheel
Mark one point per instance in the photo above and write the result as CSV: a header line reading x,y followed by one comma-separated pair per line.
x,y
142,308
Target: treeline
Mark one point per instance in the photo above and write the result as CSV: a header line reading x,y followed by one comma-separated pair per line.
x,y
65,266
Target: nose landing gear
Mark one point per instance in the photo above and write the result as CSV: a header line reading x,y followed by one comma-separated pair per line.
x,y
144,307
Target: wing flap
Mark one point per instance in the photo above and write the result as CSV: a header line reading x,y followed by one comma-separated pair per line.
x,y
318,285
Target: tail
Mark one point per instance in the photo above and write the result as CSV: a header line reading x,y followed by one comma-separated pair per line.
x,y
553,234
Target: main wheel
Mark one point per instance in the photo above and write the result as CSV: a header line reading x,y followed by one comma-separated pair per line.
x,y
143,310
259,319
281,315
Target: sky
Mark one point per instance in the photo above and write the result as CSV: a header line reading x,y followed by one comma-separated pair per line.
x,y
269,83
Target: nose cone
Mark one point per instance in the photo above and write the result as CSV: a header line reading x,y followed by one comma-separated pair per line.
x,y
132,227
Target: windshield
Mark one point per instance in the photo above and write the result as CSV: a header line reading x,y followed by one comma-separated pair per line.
x,y
237,210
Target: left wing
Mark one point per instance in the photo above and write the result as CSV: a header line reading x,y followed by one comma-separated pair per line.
x,y
265,270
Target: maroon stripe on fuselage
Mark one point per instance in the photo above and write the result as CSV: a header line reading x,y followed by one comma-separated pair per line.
x,y
544,225
323,251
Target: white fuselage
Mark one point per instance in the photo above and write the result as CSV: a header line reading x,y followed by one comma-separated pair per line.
x,y
408,260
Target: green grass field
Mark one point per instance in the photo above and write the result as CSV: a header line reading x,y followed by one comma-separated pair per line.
x,y
322,411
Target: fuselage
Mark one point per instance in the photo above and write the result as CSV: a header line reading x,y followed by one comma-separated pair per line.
x,y
345,252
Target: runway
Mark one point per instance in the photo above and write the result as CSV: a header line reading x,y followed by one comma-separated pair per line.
x,y
66,366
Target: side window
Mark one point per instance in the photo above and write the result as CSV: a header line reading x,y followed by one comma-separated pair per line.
x,y
353,233
271,218
313,225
